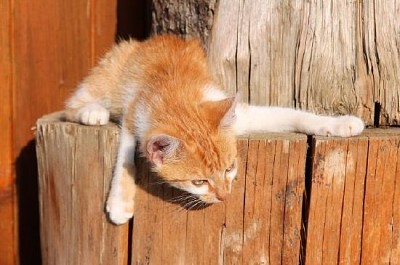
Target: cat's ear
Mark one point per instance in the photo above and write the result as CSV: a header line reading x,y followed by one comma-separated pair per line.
x,y
160,147
220,113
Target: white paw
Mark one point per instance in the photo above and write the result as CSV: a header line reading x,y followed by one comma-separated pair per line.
x,y
343,126
119,211
93,114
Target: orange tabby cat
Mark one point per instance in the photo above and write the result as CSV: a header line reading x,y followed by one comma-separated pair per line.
x,y
166,100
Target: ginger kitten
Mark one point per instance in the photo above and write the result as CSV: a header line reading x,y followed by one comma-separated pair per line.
x,y
163,94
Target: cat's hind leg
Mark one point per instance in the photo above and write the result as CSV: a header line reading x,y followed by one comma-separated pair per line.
x,y
120,201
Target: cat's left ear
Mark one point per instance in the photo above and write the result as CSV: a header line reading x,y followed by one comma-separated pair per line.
x,y
161,147
220,113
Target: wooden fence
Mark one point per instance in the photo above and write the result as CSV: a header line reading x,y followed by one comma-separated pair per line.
x,y
335,202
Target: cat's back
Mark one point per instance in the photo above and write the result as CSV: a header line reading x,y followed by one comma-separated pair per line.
x,y
170,64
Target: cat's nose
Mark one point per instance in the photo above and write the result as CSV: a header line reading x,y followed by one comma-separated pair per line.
x,y
221,195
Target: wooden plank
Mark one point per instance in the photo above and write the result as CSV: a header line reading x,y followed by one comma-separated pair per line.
x,y
232,238
148,219
352,207
351,223
54,44
273,202
332,200
55,53
8,224
295,189
103,27
75,169
380,207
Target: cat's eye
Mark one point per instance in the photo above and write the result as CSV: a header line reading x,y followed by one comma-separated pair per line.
x,y
231,167
199,182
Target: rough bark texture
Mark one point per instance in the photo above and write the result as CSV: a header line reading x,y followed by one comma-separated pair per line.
x,y
193,18
323,56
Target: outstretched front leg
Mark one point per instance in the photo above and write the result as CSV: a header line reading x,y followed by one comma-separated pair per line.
x,y
276,119
120,202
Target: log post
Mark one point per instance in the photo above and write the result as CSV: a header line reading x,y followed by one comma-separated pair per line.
x,y
75,165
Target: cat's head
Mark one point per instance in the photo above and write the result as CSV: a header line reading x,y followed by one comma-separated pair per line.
x,y
200,160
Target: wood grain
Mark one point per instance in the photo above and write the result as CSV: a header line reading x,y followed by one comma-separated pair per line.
x,y
260,222
381,224
47,48
75,168
352,207
382,53
8,223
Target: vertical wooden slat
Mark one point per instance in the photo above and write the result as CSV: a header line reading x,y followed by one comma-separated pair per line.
x,y
352,205
213,234
75,166
395,256
8,245
173,231
255,218
380,208
104,26
351,223
328,181
295,188
54,45
148,219
232,250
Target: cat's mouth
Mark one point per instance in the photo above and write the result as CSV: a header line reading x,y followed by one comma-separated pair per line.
x,y
211,199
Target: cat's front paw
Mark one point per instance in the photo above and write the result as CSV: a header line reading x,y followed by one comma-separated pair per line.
x,y
119,211
94,114
343,126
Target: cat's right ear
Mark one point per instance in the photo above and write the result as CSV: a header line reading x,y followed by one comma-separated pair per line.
x,y
220,114
161,147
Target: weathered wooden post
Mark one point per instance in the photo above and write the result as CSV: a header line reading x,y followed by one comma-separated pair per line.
x,y
75,164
